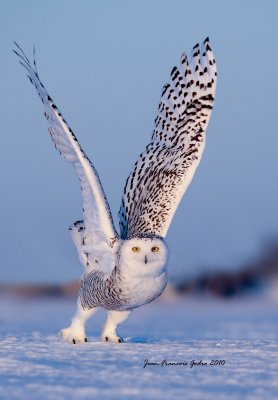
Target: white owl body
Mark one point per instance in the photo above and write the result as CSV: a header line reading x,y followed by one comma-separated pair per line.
x,y
128,269
138,277
143,290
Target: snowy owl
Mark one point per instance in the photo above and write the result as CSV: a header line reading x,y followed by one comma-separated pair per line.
x,y
127,270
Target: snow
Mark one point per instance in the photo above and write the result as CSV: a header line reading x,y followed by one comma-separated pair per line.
x,y
36,364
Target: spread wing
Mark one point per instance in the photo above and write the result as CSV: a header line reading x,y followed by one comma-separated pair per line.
x,y
96,233
164,170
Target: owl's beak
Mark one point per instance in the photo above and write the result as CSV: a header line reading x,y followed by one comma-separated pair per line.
x,y
146,259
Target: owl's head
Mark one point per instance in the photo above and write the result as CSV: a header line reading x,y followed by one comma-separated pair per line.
x,y
144,255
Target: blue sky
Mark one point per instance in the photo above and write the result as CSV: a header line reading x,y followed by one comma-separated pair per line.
x,y
104,63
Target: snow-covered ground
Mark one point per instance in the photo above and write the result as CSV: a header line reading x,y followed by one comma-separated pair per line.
x,y
36,364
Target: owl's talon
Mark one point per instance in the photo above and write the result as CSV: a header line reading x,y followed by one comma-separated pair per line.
x,y
86,340
74,334
112,339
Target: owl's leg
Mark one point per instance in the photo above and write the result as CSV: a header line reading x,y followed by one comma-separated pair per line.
x,y
114,318
75,333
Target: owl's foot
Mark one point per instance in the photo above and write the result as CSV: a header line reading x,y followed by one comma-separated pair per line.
x,y
74,334
114,318
112,338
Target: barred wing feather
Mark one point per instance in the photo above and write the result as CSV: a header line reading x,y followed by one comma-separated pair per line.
x,y
164,170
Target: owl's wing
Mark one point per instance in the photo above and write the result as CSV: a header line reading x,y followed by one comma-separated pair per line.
x,y
165,169
97,231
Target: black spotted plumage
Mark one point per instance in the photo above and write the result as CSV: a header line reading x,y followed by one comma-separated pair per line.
x,y
98,290
163,172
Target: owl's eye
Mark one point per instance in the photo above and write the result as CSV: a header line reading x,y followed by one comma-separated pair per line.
x,y
136,249
155,249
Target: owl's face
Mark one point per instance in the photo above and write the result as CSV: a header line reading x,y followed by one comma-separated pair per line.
x,y
143,256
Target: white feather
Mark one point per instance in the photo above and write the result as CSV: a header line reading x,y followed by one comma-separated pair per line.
x,y
99,232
